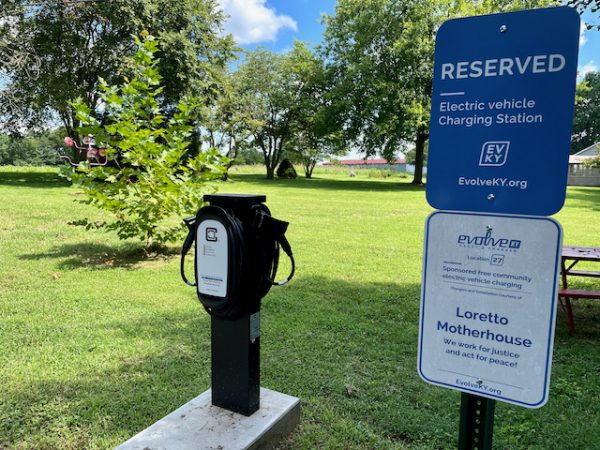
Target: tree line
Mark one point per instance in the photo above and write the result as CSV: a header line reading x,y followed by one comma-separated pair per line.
x,y
367,86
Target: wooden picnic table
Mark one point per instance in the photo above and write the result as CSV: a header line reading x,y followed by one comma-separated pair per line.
x,y
571,256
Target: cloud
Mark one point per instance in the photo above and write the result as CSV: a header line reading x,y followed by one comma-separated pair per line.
x,y
582,38
587,68
252,21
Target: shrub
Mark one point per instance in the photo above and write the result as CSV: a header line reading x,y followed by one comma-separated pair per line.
x,y
286,169
592,162
379,173
152,176
35,149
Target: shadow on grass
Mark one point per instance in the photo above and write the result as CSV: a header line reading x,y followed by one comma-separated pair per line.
x,y
319,336
586,198
101,256
110,405
328,183
44,180
100,408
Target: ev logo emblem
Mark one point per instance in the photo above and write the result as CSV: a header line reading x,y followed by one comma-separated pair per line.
x,y
494,153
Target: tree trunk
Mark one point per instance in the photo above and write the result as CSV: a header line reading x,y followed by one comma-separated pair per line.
x,y
308,168
195,144
72,126
149,242
419,156
231,154
269,165
270,172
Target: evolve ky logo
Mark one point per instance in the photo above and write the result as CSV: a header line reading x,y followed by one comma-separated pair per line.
x,y
487,240
494,153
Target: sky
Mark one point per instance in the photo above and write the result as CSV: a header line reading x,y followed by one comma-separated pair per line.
x,y
275,24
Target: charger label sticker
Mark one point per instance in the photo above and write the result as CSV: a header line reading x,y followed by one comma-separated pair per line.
x,y
212,258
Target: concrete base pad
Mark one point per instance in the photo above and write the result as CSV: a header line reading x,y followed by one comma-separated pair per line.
x,y
200,425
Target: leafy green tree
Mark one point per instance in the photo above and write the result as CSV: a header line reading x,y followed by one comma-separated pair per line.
x,y
153,178
6,157
593,162
56,50
367,56
36,149
248,155
380,53
586,120
586,5
283,104
224,123
271,93
315,134
308,149
265,96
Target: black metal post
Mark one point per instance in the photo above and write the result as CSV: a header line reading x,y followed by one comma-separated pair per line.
x,y
476,422
235,363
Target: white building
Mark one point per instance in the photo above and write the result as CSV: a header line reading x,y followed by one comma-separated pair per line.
x,y
579,175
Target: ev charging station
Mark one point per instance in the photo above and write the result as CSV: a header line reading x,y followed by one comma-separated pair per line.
x,y
237,248
237,257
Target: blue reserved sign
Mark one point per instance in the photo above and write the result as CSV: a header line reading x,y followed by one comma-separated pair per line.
x,y
502,112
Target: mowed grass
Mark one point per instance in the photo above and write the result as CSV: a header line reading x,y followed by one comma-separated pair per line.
x,y
98,342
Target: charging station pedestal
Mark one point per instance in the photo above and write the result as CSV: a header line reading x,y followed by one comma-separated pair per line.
x,y
235,363
235,342
237,253
198,425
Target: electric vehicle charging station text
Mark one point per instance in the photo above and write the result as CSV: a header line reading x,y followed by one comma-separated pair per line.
x,y
237,244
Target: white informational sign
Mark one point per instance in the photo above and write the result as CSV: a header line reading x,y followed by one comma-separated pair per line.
x,y
212,258
488,305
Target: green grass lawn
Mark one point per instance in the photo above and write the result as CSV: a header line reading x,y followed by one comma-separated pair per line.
x,y
97,342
